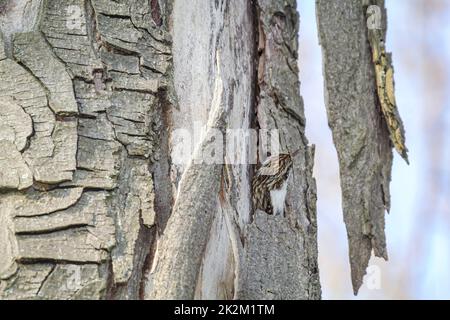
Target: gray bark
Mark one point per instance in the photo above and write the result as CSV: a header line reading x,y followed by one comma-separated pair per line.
x,y
247,240
359,130
90,78
281,254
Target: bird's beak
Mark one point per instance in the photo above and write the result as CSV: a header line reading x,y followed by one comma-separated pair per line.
x,y
295,153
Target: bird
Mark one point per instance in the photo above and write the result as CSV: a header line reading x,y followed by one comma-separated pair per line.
x,y
269,185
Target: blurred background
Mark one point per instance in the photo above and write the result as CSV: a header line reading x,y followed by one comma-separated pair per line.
x,y
418,227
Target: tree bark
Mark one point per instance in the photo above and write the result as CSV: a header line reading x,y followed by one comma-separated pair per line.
x,y
360,132
92,203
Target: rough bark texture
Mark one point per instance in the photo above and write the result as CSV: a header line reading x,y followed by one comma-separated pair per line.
x,y
234,243
359,131
92,203
82,92
280,254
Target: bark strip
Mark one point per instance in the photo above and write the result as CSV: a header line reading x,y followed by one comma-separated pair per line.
x,y
359,130
186,234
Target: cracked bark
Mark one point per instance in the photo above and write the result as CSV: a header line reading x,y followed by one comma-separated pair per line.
x,y
92,205
77,202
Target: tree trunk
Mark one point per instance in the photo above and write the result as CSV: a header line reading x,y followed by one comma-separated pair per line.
x,y
360,130
95,203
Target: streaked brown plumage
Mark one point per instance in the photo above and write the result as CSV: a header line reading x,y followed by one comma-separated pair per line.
x,y
271,175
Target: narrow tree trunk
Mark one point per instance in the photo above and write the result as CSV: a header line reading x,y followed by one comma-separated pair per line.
x,y
360,131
